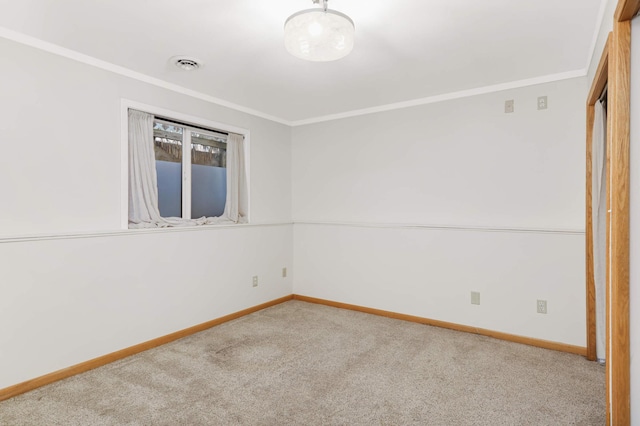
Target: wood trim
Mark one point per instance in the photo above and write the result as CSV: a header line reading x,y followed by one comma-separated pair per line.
x,y
590,278
32,384
64,373
608,274
562,347
597,87
626,10
618,175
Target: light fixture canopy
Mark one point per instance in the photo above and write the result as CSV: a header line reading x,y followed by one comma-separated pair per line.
x,y
319,35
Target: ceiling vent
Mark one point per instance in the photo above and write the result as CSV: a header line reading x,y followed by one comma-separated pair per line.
x,y
186,63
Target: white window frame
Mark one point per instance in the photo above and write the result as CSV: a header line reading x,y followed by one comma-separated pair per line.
x,y
127,104
187,129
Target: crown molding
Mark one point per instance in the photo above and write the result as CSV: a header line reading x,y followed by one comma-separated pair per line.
x,y
120,70
126,72
447,96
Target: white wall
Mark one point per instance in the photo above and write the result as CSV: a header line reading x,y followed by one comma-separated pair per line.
x,y
465,164
66,300
605,27
462,163
61,151
634,225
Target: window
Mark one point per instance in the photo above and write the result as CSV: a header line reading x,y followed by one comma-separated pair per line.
x,y
191,170
183,174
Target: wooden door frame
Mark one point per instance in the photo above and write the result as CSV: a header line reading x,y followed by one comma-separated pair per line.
x,y
618,205
614,71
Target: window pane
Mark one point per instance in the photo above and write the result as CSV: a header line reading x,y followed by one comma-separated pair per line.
x,y
168,151
208,175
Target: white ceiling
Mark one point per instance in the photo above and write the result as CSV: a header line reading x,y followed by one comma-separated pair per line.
x,y
405,49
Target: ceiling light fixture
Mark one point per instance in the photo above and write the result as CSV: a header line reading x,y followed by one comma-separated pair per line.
x,y
319,35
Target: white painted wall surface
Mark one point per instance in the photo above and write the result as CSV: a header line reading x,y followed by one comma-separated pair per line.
x,y
60,124
462,163
64,301
634,225
606,25
67,301
430,273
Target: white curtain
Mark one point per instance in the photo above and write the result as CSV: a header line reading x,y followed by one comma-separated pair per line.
x,y
143,185
599,222
235,208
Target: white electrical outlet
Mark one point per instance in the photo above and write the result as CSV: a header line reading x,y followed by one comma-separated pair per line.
x,y
284,272
255,281
542,306
542,102
508,106
475,298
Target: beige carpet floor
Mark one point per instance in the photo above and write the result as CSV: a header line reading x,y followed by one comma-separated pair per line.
x,y
304,364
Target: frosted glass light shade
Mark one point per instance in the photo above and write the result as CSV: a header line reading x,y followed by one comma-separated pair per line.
x,y
319,35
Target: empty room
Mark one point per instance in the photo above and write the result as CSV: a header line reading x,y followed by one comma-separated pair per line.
x,y
319,212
